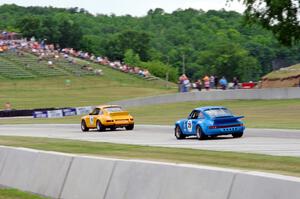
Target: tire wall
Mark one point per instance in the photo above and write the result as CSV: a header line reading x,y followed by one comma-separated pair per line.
x,y
58,175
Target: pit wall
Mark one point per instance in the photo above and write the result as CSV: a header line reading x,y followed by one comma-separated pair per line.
x,y
238,94
58,175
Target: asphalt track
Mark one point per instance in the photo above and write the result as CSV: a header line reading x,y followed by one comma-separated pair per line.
x,y
263,141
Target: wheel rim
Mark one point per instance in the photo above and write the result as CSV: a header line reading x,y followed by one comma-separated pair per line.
x,y
177,132
82,126
198,132
98,126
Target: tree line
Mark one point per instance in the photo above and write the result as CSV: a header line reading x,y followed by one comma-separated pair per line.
x,y
189,41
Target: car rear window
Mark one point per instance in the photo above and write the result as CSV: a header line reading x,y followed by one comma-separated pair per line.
x,y
218,112
113,109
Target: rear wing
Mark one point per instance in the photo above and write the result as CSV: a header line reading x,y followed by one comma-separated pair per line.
x,y
119,113
227,119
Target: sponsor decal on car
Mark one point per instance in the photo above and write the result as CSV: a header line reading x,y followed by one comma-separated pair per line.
x,y
189,125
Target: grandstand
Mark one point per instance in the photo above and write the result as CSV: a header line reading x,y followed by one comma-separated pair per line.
x,y
26,65
10,70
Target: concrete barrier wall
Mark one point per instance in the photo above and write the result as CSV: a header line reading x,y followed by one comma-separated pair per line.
x,y
59,175
243,94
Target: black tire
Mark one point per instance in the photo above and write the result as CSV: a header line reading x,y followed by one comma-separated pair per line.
x,y
237,135
178,133
84,128
129,127
99,126
199,133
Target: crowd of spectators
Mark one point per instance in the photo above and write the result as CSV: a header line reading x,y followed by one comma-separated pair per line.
x,y
70,53
207,83
51,54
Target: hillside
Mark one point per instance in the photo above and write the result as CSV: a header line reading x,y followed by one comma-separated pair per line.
x,y
285,77
26,83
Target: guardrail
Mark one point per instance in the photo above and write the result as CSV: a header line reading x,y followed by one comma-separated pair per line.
x,y
58,175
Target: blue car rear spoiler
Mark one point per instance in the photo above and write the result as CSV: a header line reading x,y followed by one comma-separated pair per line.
x,y
227,119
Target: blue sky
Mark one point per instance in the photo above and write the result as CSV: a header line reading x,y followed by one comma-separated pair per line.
x,y
132,7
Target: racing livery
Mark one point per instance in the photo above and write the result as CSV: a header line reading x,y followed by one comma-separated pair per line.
x,y
209,121
107,116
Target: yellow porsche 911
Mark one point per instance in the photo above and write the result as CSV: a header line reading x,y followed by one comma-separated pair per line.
x,y
107,116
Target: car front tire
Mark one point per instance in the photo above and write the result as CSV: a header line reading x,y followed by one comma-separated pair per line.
x,y
84,128
199,133
178,133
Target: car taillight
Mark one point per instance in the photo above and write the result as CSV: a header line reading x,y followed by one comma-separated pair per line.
x,y
131,119
212,127
109,120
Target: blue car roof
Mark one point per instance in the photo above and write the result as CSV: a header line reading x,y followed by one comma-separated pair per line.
x,y
204,108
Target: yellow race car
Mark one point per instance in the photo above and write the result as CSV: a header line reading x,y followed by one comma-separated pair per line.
x,y
107,116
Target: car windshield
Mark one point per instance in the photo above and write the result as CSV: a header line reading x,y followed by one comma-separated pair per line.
x,y
113,109
218,112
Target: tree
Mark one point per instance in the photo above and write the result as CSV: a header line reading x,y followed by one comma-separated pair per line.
x,y
279,16
30,26
132,58
71,33
137,41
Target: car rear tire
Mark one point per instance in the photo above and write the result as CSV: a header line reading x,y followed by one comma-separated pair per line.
x,y
99,126
129,127
237,135
199,133
178,133
84,128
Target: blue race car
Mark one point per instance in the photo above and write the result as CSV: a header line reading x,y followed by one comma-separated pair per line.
x,y
210,121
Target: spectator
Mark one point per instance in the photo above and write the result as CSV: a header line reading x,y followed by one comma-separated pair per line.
x,y
223,83
216,82
206,82
212,81
50,64
7,106
199,84
235,83
180,83
186,84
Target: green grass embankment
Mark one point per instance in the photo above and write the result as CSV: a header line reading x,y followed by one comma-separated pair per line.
x,y
16,194
82,91
245,161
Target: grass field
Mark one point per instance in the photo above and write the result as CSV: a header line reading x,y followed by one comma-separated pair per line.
x,y
83,91
283,114
284,72
258,113
275,164
15,194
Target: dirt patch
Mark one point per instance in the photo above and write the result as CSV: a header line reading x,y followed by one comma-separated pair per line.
x,y
292,81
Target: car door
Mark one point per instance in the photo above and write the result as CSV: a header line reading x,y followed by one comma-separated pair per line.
x,y
190,123
93,117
